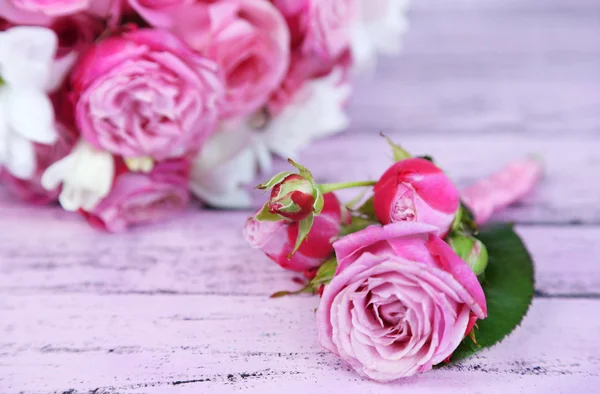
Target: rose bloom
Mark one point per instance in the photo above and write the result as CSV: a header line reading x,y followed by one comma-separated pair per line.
x,y
399,302
145,94
415,190
320,43
248,39
44,11
277,239
138,198
320,27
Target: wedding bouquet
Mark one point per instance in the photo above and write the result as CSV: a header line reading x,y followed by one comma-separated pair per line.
x,y
121,109
406,278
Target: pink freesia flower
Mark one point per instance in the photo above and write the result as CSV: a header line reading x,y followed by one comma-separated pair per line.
x,y
146,94
138,198
415,190
503,188
399,303
277,239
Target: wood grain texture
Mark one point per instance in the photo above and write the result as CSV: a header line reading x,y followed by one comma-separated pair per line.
x,y
489,66
211,342
204,253
568,194
183,307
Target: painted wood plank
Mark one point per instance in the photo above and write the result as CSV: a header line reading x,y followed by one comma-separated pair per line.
x,y
569,193
485,66
205,253
134,343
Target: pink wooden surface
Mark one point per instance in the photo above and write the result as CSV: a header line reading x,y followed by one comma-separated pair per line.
x,y
183,306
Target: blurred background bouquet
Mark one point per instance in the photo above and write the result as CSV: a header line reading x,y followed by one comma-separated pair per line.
x,y
123,110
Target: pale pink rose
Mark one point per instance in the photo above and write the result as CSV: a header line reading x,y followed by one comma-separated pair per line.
x,y
277,239
416,190
165,13
138,198
248,39
399,303
320,43
502,188
144,93
31,190
320,27
43,12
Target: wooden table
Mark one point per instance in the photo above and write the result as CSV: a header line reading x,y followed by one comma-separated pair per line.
x,y
184,307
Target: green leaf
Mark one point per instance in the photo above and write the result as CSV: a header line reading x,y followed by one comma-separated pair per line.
x,y
319,202
463,221
304,227
368,209
302,170
265,216
508,287
324,274
358,224
274,181
399,153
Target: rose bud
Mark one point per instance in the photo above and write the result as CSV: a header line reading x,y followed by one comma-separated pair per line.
x,y
471,250
416,190
293,198
277,238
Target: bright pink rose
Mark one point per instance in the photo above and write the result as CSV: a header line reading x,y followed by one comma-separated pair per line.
x,y
248,39
277,239
502,188
42,12
415,190
144,93
31,190
399,303
138,198
76,33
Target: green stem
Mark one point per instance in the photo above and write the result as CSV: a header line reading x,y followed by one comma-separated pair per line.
x,y
330,187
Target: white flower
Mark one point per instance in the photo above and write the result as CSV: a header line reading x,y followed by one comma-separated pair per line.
x,y
380,29
27,72
86,175
229,160
318,110
233,157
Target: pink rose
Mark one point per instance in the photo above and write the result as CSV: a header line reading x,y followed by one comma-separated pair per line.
x,y
138,198
320,42
42,12
248,39
399,303
277,239
31,190
144,93
320,27
76,33
415,190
